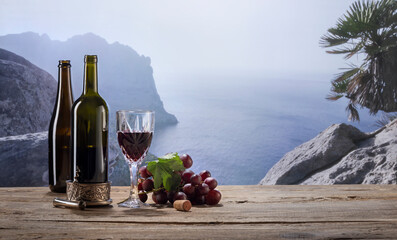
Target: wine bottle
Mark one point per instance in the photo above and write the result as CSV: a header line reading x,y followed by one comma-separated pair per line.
x,y
59,152
90,129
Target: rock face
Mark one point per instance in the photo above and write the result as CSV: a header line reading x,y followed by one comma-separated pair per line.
x,y
27,95
125,78
341,154
24,160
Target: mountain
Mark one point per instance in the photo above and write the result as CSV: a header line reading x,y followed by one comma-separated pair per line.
x,y
125,78
27,96
341,154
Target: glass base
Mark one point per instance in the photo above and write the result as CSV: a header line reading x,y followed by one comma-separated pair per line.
x,y
133,203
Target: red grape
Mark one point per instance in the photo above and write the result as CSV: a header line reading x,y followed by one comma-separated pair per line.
x,y
211,182
170,196
205,174
202,189
140,186
195,179
144,172
142,196
187,160
191,197
213,197
179,196
148,185
189,189
186,175
198,200
149,173
154,197
160,197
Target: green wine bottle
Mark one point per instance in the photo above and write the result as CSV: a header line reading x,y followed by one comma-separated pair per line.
x,y
59,152
90,129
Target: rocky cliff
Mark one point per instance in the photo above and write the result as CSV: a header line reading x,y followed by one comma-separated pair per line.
x,y
341,154
27,95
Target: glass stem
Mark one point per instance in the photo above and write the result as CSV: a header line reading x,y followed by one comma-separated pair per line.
x,y
134,180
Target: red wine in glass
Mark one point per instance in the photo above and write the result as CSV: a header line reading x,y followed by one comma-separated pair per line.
x,y
134,145
134,133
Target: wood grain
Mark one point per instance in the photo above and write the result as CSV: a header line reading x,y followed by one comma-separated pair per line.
x,y
245,212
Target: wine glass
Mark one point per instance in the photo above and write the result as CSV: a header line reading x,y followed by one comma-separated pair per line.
x,y
134,135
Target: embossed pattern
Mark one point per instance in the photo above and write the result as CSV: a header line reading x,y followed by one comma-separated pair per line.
x,y
95,192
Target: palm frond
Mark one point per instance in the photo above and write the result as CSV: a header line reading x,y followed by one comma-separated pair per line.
x,y
333,96
340,87
340,51
355,82
385,119
331,40
353,112
343,76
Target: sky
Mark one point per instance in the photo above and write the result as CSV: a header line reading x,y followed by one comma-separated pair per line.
x,y
278,37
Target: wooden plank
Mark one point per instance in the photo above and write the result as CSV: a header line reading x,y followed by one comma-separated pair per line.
x,y
53,230
354,211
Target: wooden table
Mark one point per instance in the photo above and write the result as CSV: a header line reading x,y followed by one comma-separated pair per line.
x,y
245,212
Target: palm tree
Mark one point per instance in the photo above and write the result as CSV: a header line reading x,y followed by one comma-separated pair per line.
x,y
368,28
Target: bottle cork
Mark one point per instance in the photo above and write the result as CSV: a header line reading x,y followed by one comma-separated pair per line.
x,y
182,205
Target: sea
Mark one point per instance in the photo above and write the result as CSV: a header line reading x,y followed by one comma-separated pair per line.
x,y
238,127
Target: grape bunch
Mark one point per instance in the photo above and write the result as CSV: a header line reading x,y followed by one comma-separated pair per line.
x,y
198,188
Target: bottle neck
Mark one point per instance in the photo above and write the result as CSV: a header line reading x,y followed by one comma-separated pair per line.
x,y
64,81
90,77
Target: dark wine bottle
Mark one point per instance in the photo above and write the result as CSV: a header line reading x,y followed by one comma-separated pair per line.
x,y
90,129
59,152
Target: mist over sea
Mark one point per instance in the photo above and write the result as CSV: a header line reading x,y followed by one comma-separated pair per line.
x,y
238,127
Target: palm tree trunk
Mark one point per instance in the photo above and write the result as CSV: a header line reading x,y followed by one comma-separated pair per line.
x,y
389,72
